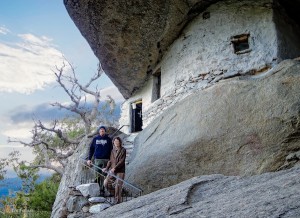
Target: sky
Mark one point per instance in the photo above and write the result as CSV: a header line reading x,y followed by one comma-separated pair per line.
x,y
35,35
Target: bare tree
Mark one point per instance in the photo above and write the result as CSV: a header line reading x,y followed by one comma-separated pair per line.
x,y
58,141
75,95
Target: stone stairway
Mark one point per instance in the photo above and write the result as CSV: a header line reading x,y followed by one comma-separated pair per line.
x,y
128,144
85,200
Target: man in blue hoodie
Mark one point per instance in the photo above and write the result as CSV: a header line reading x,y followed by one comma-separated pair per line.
x,y
100,149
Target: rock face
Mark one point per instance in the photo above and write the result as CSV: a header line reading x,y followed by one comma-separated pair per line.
x,y
267,195
240,126
75,174
130,36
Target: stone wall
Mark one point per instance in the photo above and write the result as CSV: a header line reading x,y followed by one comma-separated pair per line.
x,y
203,55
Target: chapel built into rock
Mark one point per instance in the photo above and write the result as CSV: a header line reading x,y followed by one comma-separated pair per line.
x,y
230,38
210,87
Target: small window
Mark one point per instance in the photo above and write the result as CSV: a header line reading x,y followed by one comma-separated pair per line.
x,y
241,43
156,86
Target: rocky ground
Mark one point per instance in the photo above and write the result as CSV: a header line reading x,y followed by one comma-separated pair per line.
x,y
267,195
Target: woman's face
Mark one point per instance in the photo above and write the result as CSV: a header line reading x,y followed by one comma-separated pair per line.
x,y
117,143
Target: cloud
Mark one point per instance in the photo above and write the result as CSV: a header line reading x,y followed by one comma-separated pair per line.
x,y
11,146
112,91
18,123
4,30
40,112
26,152
46,112
27,65
23,115
19,130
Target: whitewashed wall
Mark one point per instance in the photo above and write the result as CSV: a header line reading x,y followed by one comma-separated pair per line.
x,y
143,94
204,54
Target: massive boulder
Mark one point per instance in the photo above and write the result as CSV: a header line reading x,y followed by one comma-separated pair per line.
x,y
268,195
130,36
241,126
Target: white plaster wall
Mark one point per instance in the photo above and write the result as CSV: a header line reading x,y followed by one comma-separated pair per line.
x,y
205,45
204,54
125,117
144,94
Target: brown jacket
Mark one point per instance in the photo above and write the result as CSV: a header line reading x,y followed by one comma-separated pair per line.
x,y
117,160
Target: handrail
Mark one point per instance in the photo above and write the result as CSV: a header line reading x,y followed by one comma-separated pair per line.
x,y
130,191
113,175
117,130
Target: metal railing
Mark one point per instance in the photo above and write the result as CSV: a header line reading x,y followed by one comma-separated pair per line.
x,y
94,174
112,135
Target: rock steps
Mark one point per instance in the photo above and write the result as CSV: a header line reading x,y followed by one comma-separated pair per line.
x,y
128,144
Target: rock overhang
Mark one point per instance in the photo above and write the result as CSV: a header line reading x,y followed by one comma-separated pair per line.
x,y
129,37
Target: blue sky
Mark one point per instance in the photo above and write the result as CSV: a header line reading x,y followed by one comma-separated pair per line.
x,y
34,36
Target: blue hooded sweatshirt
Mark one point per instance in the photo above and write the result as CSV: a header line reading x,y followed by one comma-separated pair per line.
x,y
101,147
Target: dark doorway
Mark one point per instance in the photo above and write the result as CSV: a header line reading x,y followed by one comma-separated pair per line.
x,y
136,116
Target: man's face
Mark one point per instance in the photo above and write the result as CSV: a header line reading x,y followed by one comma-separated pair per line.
x,y
102,132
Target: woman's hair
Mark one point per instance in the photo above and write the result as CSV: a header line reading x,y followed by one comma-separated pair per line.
x,y
119,139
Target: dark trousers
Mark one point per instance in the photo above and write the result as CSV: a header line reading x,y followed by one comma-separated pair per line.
x,y
114,186
100,176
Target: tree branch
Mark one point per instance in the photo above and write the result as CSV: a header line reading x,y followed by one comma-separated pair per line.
x,y
50,167
58,132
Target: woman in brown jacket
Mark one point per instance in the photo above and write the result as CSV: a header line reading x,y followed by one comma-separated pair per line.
x,y
116,166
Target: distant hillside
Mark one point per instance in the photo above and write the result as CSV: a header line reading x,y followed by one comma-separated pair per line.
x,y
15,184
